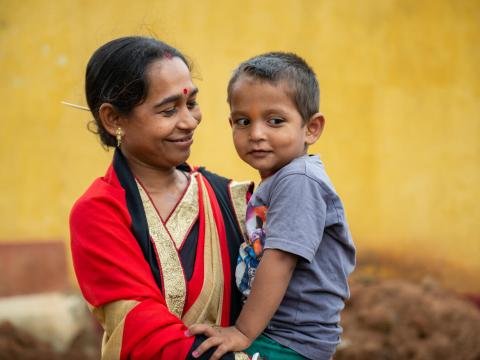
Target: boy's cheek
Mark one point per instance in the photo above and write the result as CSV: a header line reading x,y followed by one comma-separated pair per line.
x,y
238,142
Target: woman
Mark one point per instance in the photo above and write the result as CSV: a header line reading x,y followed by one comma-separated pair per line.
x,y
154,242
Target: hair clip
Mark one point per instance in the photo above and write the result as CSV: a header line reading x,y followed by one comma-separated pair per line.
x,y
75,106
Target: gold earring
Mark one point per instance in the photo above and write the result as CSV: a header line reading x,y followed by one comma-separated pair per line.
x,y
119,135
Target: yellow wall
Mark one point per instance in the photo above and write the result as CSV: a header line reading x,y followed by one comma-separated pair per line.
x,y
400,86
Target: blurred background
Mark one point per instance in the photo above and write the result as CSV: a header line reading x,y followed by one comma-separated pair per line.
x,y
400,90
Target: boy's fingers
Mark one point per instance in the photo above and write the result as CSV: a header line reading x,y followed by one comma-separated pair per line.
x,y
207,344
221,350
197,329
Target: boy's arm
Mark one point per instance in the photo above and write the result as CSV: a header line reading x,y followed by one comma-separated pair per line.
x,y
271,282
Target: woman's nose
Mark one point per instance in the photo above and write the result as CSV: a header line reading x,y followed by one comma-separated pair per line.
x,y
189,120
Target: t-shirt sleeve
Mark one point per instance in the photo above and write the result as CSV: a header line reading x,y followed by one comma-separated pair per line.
x,y
296,216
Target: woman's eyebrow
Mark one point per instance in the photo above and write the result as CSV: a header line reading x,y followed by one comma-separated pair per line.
x,y
175,98
193,92
170,99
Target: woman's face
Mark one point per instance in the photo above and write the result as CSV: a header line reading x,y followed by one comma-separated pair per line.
x,y
159,132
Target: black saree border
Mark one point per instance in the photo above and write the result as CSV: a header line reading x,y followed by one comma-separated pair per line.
x,y
220,186
137,213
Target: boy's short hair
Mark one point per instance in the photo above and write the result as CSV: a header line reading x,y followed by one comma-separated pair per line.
x,y
283,66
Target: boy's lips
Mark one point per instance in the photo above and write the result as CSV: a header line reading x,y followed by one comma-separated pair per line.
x,y
259,152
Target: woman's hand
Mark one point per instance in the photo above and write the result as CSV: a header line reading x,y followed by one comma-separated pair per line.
x,y
225,339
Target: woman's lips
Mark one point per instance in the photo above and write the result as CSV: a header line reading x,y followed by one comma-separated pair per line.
x,y
183,141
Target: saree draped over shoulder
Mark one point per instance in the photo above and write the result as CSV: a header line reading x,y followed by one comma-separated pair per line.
x,y
146,279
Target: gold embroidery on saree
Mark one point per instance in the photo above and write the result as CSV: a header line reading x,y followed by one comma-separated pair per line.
x,y
175,288
184,215
241,356
208,306
112,318
238,193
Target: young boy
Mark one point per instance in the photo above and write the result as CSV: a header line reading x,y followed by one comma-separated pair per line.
x,y
295,221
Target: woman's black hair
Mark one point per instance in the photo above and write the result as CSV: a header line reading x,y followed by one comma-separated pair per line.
x,y
116,74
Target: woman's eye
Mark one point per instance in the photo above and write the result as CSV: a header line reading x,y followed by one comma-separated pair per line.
x,y
276,121
169,112
242,122
191,104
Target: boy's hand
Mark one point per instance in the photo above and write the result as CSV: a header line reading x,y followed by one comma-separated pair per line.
x,y
225,339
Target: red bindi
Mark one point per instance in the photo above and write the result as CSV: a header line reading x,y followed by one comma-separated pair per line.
x,y
185,91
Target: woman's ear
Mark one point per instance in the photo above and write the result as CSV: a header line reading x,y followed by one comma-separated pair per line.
x,y
110,118
314,128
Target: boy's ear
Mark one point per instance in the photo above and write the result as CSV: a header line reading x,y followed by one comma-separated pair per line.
x,y
314,128
110,118
230,121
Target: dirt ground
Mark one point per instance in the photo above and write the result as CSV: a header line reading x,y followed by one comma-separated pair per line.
x,y
385,319
391,319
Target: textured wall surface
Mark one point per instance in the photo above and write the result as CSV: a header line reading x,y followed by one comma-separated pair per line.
x,y
400,86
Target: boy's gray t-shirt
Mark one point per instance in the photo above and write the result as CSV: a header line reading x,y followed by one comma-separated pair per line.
x,y
305,217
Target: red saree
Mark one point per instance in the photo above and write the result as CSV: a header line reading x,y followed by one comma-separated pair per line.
x,y
145,278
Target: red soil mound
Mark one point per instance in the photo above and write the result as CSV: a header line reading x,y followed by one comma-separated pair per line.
x,y
398,320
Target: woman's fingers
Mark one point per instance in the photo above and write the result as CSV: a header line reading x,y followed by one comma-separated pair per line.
x,y
207,344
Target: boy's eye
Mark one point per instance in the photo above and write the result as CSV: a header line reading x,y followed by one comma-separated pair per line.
x,y
276,121
242,122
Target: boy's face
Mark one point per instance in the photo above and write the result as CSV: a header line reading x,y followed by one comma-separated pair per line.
x,y
266,125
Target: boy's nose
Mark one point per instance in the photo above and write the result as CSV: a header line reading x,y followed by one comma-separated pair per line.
x,y
257,132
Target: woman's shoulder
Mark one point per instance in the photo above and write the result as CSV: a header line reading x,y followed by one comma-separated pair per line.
x,y
226,185
103,192
213,177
